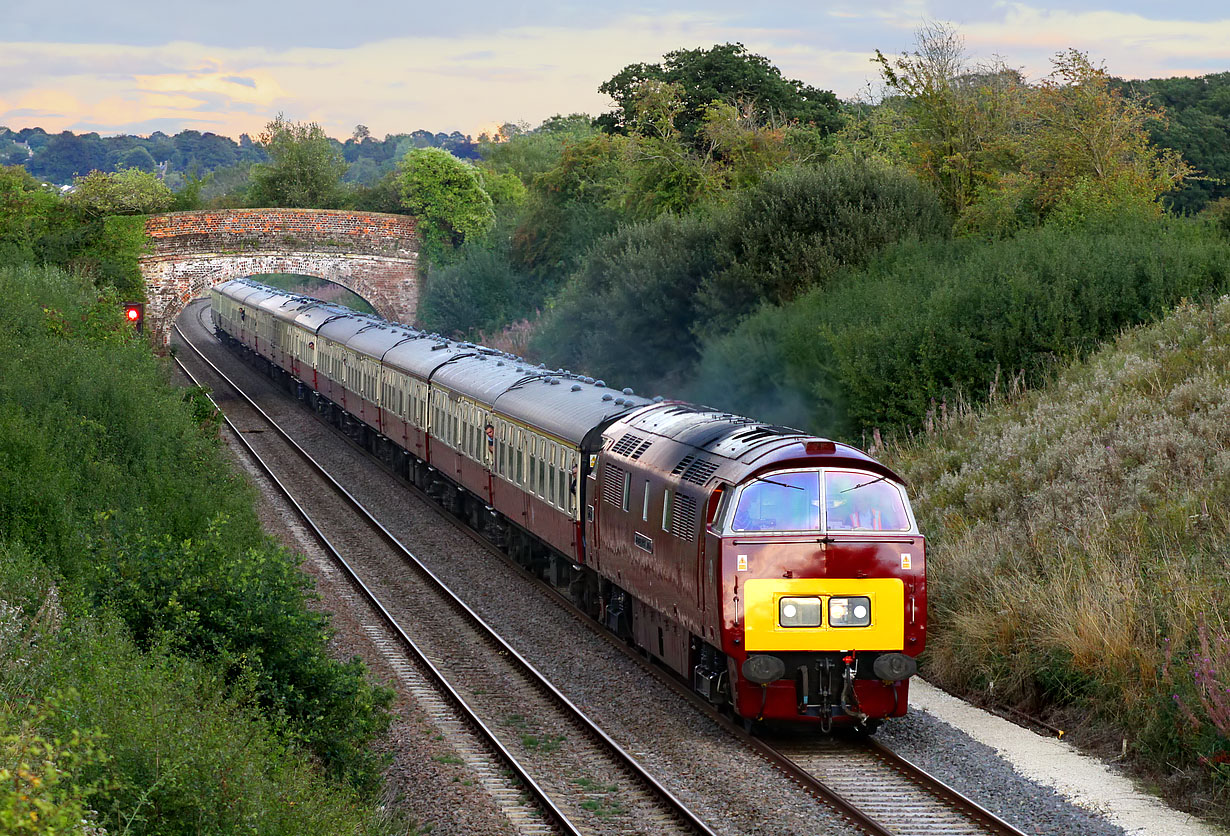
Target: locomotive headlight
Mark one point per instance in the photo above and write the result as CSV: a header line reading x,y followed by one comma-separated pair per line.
x,y
850,612
799,612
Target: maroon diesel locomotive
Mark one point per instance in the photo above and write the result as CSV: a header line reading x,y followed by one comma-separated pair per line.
x,y
783,575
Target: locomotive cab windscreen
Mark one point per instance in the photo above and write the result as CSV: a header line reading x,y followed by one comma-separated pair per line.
x,y
829,500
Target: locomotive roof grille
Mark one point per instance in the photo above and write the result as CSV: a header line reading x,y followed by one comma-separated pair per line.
x,y
699,471
694,470
632,446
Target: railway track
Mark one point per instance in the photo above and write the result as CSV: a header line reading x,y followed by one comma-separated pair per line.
x,y
873,788
448,645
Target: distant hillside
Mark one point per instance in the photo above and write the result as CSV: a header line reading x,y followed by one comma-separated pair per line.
x,y
1079,564
58,158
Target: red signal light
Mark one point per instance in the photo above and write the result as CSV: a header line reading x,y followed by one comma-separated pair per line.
x,y
134,312
819,448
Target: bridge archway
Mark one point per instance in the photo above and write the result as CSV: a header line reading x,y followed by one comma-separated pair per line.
x,y
371,254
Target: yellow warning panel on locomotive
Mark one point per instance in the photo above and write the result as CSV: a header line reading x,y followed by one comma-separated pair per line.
x,y
820,614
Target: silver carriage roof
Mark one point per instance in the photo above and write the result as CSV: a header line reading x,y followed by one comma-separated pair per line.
x,y
562,404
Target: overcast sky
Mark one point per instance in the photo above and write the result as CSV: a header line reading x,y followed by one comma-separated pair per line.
x,y
136,66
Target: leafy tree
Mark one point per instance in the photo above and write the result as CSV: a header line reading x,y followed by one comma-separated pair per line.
x,y
447,197
1197,125
725,73
530,153
137,158
129,191
304,169
959,121
68,155
1079,130
572,204
1004,154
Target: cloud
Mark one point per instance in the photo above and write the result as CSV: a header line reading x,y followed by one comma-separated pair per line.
x,y
444,78
1131,44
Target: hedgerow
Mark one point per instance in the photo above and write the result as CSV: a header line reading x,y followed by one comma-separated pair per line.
x,y
100,736
108,477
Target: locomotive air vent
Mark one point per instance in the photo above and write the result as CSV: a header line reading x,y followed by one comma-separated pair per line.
x,y
639,450
699,471
626,445
683,464
683,517
613,485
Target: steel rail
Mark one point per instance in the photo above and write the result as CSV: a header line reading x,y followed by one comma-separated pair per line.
x,y
690,819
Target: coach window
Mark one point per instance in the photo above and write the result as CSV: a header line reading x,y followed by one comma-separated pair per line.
x,y
551,478
520,442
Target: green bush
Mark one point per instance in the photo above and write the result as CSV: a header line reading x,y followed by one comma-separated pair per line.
x,y
482,291
107,476
801,225
93,729
627,315
663,286
929,324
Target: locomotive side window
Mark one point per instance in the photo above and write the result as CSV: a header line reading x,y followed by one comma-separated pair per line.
x,y
780,502
863,502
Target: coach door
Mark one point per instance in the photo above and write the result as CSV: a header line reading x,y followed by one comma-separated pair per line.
x,y
590,511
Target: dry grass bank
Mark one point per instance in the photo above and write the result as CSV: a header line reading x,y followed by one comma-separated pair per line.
x,y
1081,545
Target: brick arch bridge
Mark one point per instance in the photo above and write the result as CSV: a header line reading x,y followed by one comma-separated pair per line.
x,y
371,254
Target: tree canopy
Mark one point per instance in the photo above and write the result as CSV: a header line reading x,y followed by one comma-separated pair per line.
x,y
129,191
724,73
447,197
304,168
1004,154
